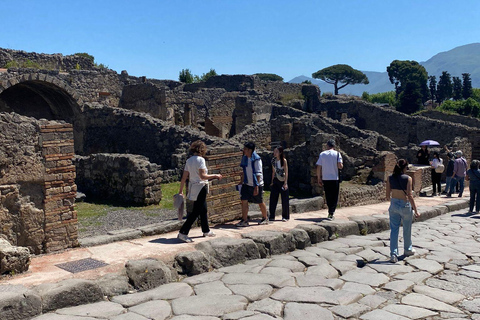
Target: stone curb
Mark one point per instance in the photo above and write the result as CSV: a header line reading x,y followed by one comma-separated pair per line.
x,y
91,291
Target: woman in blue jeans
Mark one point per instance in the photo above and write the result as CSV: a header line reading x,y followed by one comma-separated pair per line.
x,y
473,175
399,192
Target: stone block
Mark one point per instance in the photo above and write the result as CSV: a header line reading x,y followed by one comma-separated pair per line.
x,y
369,224
229,251
18,303
13,259
192,263
316,233
114,284
301,238
306,205
148,273
340,228
275,242
68,293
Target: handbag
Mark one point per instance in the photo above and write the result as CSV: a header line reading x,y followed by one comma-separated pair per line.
x,y
440,168
340,174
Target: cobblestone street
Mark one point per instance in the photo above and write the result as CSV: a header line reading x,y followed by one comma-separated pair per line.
x,y
347,278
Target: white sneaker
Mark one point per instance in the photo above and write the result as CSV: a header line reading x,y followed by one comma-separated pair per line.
x,y
242,224
209,234
284,220
393,259
184,238
264,221
409,253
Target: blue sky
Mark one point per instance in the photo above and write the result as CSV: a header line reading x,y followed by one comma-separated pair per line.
x,y
290,38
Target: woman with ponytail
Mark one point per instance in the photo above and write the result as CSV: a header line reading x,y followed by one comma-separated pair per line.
x,y
399,192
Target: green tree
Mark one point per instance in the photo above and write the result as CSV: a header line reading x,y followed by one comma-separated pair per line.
x,y
185,76
341,74
269,76
467,90
208,75
401,72
307,82
432,85
444,87
410,99
457,89
382,97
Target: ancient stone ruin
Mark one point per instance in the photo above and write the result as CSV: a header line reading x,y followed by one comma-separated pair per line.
x,y
69,123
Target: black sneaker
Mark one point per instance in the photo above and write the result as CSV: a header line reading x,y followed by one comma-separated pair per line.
x,y
331,217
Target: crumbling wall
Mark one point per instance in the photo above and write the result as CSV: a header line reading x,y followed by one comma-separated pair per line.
x,y
37,183
119,178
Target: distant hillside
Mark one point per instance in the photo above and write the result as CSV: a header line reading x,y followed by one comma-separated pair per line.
x,y
463,59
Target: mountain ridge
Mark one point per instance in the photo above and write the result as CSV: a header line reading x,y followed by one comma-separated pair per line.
x,y
461,59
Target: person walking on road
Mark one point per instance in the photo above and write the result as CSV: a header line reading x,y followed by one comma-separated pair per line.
x,y
279,185
197,173
436,164
459,172
251,182
473,175
328,164
399,193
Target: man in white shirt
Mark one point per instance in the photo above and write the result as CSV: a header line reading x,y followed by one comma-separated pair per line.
x,y
251,182
328,164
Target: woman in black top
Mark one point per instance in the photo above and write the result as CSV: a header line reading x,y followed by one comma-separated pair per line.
x,y
423,156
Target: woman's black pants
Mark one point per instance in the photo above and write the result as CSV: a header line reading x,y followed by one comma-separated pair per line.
x,y
199,211
436,181
274,193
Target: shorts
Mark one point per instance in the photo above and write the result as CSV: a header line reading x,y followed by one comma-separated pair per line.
x,y
247,194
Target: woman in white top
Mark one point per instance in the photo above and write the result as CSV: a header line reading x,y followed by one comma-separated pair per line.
x,y
436,177
197,173
279,185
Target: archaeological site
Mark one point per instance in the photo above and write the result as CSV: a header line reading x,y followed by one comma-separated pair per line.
x,y
71,126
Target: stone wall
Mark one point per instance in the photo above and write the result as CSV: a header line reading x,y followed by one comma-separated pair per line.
x,y
258,133
37,183
46,61
455,118
119,178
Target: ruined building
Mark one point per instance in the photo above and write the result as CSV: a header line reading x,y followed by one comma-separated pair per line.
x,y
68,125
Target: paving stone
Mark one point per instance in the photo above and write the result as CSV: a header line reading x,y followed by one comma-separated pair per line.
x,y
391,269
305,311
351,310
268,306
372,279
409,311
361,241
103,309
129,316
285,256
471,287
313,261
344,266
470,274
430,266
370,255
203,278
423,301
241,268
164,292
475,268
399,285
381,315
373,301
275,270
54,316
188,317
332,245
294,265
316,281
216,305
472,305
211,288
324,270
261,316
316,295
238,315
302,253
439,294
277,281
452,287
156,310
364,289
252,292
258,262
417,277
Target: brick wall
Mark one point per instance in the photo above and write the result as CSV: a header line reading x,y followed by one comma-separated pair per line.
x,y
61,229
224,201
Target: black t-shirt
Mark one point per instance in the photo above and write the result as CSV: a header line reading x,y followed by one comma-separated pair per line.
x,y
423,156
398,182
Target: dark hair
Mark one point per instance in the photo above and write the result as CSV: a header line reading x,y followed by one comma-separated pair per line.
x,y
401,164
436,154
282,156
474,164
450,155
250,145
198,147
331,143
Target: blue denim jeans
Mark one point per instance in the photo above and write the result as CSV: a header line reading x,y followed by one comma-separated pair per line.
x,y
453,183
400,211
448,181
